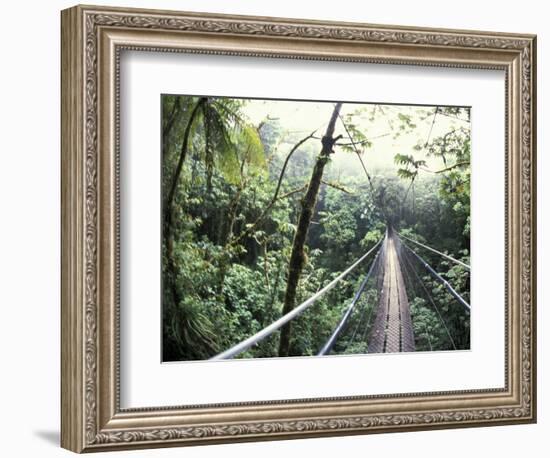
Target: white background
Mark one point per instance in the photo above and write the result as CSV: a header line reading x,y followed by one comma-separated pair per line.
x,y
146,75
29,242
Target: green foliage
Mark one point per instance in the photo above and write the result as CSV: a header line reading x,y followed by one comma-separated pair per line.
x,y
358,137
452,148
406,121
428,332
411,166
371,239
232,239
440,217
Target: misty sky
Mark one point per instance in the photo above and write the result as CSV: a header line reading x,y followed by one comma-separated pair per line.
x,y
301,118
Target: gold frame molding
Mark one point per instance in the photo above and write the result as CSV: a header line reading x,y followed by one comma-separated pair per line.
x,y
92,39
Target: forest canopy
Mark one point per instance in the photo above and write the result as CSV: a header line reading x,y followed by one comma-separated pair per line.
x,y
267,201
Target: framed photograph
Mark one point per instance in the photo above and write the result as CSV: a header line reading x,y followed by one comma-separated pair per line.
x,y
278,228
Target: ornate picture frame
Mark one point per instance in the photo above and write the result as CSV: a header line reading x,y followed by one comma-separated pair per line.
x,y
92,41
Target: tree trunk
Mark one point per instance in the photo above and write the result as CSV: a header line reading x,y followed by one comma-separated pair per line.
x,y
174,113
297,256
168,233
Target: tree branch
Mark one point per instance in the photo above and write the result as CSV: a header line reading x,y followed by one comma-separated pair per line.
x,y
454,166
276,193
181,160
169,124
171,117
289,155
362,165
363,141
337,186
431,127
446,169
290,193
354,144
454,117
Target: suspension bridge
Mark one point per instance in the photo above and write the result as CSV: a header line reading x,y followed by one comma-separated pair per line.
x,y
395,271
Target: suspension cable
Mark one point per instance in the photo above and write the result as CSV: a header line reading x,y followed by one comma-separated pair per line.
x,y
412,287
365,307
446,256
381,260
369,178
332,339
268,330
438,277
430,298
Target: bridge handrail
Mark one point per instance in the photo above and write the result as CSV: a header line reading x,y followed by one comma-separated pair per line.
x,y
438,277
260,335
332,339
446,256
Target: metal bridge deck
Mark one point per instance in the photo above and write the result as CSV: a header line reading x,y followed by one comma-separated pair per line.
x,y
392,330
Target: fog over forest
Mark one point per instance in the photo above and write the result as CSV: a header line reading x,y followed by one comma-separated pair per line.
x,y
299,118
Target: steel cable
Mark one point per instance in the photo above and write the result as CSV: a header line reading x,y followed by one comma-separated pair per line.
x,y
365,307
430,298
446,256
268,330
345,317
